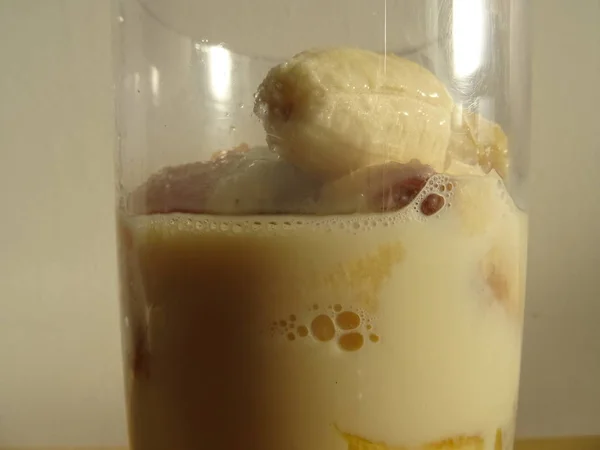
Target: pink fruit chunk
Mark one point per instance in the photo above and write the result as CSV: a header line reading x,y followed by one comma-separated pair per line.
x,y
238,181
185,188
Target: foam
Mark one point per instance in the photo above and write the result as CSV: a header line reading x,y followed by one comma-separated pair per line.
x,y
439,185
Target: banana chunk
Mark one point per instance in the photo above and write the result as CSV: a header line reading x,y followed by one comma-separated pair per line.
x,y
378,188
333,111
501,271
481,202
479,142
453,443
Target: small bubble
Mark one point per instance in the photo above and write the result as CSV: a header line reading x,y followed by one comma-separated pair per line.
x,y
315,307
337,307
292,317
291,336
449,186
347,320
373,338
356,225
322,328
213,226
224,226
432,204
241,106
232,129
282,323
302,331
237,228
351,341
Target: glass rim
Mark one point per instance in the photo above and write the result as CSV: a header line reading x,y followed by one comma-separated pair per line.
x,y
146,5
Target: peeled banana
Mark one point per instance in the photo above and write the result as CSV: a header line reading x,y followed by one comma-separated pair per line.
x,y
334,111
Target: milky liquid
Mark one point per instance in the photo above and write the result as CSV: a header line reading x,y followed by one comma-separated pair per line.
x,y
308,333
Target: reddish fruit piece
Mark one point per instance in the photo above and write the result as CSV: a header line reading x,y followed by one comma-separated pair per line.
x,y
399,194
239,181
184,188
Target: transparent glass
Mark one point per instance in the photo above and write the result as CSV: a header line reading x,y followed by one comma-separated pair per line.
x,y
322,222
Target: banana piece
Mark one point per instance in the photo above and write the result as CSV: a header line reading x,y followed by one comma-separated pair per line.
x,y
481,201
478,142
486,209
237,181
501,270
378,188
334,111
455,443
261,183
459,169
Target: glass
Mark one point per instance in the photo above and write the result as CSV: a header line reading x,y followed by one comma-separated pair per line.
x,y
322,222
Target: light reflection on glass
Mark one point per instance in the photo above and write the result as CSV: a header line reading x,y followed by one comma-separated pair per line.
x,y
219,66
136,81
468,36
155,84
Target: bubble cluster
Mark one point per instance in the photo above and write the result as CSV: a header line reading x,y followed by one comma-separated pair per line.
x,y
349,328
433,199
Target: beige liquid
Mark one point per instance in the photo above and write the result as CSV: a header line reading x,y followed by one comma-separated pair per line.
x,y
282,332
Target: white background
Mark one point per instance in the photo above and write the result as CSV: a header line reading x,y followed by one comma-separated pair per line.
x,y
60,374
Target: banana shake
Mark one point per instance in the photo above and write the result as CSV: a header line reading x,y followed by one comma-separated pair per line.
x,y
356,283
